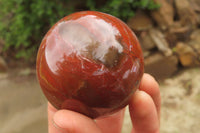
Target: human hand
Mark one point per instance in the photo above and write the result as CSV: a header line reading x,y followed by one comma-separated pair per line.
x,y
144,108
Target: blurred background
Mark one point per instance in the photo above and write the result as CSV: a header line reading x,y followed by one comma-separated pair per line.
x,y
169,34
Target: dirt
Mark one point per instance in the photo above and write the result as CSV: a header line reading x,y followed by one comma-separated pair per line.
x,y
23,106
181,103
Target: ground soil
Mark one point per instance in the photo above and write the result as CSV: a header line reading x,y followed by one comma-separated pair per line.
x,y
180,103
23,106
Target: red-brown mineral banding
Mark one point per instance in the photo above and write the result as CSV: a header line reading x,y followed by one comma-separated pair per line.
x,y
89,62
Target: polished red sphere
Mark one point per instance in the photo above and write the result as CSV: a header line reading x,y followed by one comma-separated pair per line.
x,y
89,62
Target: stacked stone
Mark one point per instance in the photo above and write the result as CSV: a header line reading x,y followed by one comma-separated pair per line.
x,y
169,36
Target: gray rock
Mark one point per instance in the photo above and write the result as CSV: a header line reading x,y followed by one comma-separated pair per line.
x,y
195,35
195,42
146,41
161,66
187,55
1,45
186,12
3,65
182,33
195,5
164,16
160,41
140,21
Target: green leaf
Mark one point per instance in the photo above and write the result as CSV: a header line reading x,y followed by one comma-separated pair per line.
x,y
23,23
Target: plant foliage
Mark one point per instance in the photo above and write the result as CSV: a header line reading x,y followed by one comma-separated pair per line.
x,y
23,23
122,8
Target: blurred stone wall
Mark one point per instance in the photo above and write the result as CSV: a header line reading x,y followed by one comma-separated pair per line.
x,y
169,36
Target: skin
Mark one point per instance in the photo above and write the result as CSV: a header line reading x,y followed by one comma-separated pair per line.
x,y
144,108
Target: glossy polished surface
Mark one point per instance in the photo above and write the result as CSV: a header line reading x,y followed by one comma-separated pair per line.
x,y
89,62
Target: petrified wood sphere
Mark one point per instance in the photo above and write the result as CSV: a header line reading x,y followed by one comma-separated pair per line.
x,y
89,62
